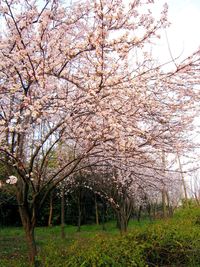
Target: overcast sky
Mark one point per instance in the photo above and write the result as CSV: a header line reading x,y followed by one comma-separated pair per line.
x,y
184,32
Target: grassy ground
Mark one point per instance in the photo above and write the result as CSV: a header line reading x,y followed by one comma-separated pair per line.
x,y
13,250
174,242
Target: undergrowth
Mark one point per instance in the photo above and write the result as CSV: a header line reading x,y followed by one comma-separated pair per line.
x,y
171,242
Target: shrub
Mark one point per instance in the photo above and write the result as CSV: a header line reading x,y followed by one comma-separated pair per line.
x,y
173,242
97,252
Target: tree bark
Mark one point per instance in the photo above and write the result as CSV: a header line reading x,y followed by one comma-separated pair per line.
x,y
96,210
30,237
79,211
28,216
183,181
63,213
103,217
50,210
139,213
123,222
154,210
149,210
164,206
29,227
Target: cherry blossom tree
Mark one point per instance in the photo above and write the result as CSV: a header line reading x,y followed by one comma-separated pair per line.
x,y
82,76
129,185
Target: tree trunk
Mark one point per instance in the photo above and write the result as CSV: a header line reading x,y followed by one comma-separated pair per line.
x,y
197,199
63,213
123,223
123,219
79,212
169,207
30,238
50,210
164,206
103,217
149,210
29,227
154,210
139,213
183,181
96,210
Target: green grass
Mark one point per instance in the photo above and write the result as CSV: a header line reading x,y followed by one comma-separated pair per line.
x,y
171,242
13,248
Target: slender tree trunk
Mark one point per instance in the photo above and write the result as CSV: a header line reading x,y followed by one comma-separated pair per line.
x,y
149,209
123,223
96,210
154,211
103,218
183,181
63,213
125,213
50,210
123,216
139,213
197,199
28,219
30,238
164,206
29,227
84,213
169,207
79,212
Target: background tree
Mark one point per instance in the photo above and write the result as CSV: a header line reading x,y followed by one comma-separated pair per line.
x,y
87,81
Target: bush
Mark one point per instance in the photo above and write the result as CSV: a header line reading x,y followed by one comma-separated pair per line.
x,y
98,252
175,242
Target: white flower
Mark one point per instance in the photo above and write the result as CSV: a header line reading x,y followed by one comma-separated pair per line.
x,y
12,180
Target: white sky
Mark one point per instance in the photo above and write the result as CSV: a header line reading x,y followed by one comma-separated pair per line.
x,y
183,36
184,32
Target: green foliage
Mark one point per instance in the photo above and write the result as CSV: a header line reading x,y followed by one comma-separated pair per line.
x,y
187,214
169,243
172,242
98,251
9,214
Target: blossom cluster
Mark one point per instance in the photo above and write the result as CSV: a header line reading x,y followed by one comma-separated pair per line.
x,y
12,180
